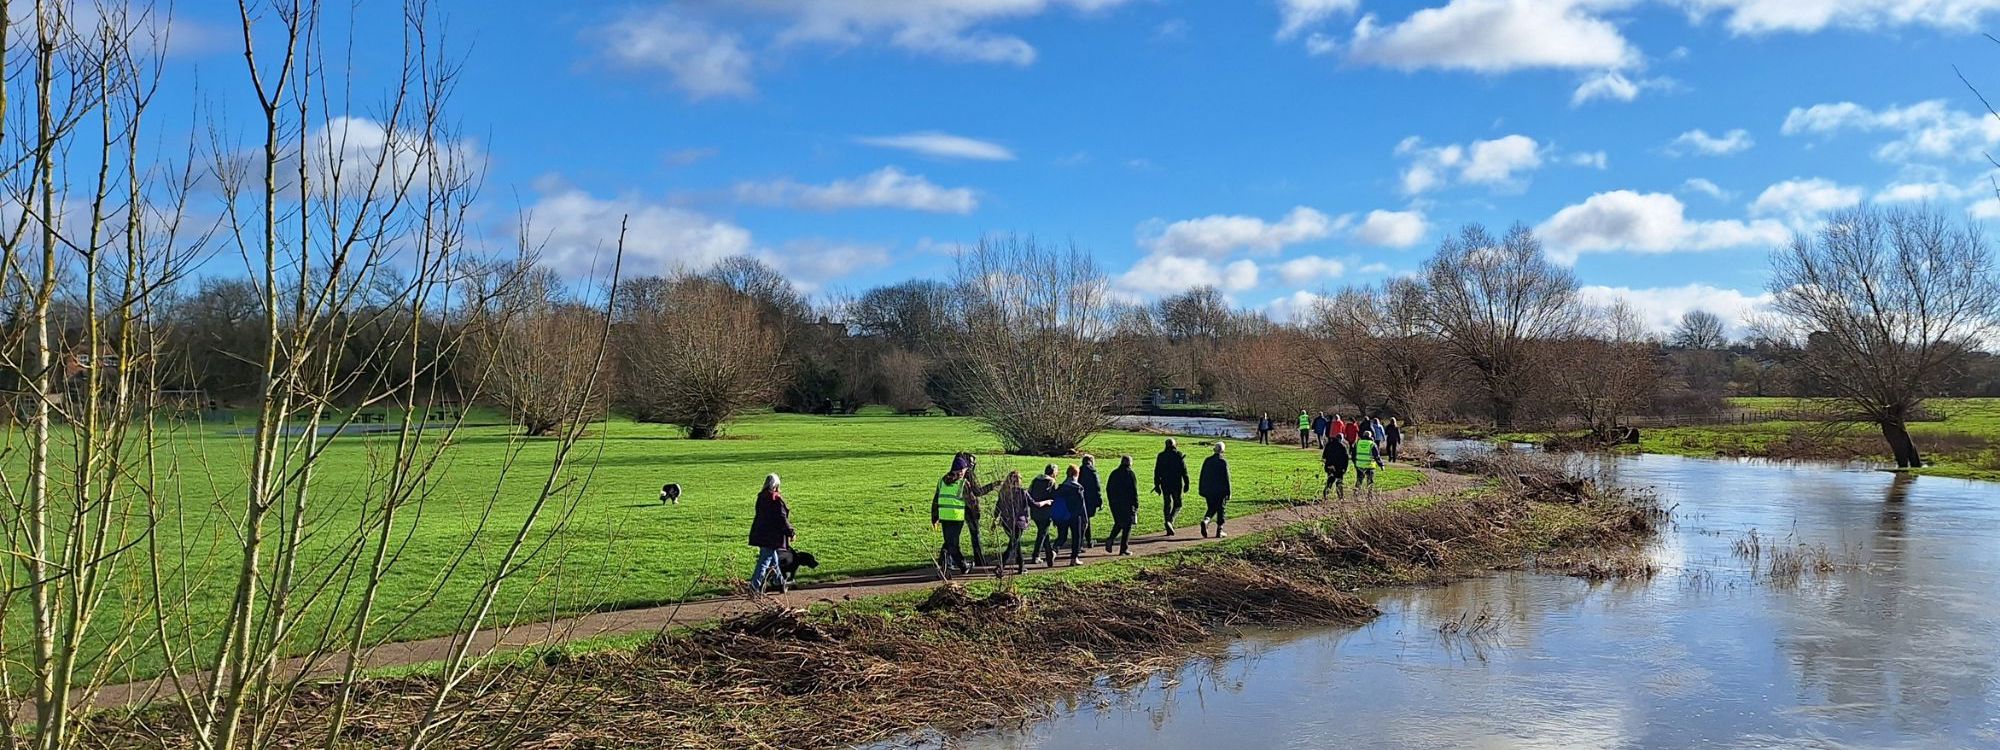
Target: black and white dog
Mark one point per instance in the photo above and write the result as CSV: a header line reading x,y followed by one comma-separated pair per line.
x,y
670,494
789,562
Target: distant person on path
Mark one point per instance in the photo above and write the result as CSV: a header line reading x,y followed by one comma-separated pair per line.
x,y
770,531
1042,492
1170,481
974,492
1339,426
1380,433
1093,497
1367,460
1335,457
1395,435
1068,515
1264,428
948,510
1320,425
1305,429
1215,490
1353,435
1121,492
1010,513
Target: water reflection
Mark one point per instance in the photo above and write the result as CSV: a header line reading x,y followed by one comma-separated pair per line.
x,y
1899,646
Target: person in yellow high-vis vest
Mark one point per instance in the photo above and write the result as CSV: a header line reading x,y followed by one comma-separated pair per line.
x,y
1305,429
948,511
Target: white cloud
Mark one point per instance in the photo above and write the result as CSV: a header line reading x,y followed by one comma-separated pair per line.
x,y
1299,15
1624,220
702,61
578,233
1662,307
1218,235
1698,141
887,187
1705,187
1293,307
1918,192
1593,159
1167,274
1929,129
809,263
1769,16
944,28
1497,36
1496,162
1311,268
1373,268
1985,209
1397,229
941,146
1804,198
1616,86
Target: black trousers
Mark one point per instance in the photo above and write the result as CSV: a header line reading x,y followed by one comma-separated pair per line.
x,y
1121,530
1216,506
1043,546
972,527
1170,505
1069,534
1013,550
1333,480
951,553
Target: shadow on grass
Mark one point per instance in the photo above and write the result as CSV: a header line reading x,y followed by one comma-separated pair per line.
x,y
779,458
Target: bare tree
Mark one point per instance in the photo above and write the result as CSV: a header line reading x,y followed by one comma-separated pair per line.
x,y
1382,345
1699,330
696,352
1496,303
1033,317
533,349
1884,305
1608,376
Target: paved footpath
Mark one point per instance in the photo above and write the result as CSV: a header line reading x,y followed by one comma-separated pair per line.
x,y
656,619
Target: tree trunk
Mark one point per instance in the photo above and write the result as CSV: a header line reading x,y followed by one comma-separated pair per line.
x,y
1904,449
1503,412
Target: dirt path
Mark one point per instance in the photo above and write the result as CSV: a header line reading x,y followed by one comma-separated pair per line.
x,y
656,619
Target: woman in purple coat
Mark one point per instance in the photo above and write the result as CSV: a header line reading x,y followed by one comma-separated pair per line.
x,y
770,531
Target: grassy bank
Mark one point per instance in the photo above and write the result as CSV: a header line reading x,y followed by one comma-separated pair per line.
x,y
994,654
859,488
1966,444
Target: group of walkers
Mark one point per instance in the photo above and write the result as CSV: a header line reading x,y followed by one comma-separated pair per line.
x,y
1066,504
1066,501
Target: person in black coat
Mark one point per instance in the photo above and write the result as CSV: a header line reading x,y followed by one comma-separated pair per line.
x,y
1122,495
1069,521
1170,481
770,531
1215,490
1041,502
1335,456
1093,496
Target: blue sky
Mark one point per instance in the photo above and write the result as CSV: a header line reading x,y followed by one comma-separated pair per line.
x,y
1275,148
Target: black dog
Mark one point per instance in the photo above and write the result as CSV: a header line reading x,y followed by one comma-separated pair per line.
x,y
789,562
670,493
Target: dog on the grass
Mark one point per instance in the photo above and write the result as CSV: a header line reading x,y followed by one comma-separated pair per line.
x,y
789,562
670,494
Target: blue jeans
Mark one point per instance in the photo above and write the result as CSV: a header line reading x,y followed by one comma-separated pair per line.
x,y
767,563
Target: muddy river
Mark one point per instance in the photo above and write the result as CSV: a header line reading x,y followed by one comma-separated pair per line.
x,y
1889,639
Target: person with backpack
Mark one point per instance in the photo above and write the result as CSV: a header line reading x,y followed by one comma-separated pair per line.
x,y
770,530
1068,517
1093,497
1305,429
1122,494
1170,481
1010,513
1215,490
1042,496
1335,458
948,510
1366,460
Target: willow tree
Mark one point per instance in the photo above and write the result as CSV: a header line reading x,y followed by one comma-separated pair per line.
x,y
1883,306
1032,321
1497,303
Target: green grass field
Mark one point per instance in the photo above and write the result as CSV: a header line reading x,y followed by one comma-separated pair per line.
x,y
1966,444
859,488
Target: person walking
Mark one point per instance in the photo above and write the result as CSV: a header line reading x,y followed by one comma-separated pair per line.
x,y
1215,490
1378,432
770,531
1339,426
1305,429
948,510
1170,482
1122,494
1320,425
1366,460
1394,432
1264,428
1042,492
1093,497
1068,516
974,494
1353,435
1010,513
1335,458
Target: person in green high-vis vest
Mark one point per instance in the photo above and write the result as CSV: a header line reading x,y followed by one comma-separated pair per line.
x,y
948,511
1367,458
1305,429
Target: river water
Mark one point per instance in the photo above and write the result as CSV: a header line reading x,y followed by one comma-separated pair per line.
x,y
1897,647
